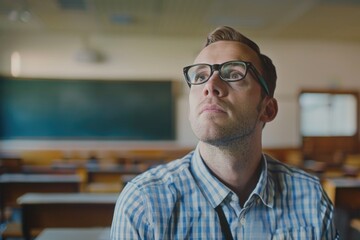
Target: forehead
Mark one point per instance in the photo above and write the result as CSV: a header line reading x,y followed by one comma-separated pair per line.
x,y
224,51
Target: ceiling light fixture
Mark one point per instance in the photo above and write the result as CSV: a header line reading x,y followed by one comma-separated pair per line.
x,y
20,16
88,54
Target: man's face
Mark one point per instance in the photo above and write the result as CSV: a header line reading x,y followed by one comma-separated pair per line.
x,y
220,111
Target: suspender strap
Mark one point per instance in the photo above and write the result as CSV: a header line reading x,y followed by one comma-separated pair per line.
x,y
225,228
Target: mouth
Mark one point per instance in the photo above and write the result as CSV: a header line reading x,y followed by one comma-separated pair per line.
x,y
212,108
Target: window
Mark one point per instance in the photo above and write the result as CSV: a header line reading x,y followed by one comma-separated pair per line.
x,y
328,114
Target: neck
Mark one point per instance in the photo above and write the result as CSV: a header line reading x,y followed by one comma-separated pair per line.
x,y
237,165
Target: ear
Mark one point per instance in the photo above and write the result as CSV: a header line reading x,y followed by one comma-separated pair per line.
x,y
270,111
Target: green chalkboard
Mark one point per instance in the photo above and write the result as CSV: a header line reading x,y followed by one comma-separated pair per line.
x,y
86,109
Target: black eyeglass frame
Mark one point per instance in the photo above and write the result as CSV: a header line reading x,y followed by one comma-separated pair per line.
x,y
217,67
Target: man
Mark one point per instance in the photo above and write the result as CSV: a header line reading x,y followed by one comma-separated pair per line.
x,y
226,188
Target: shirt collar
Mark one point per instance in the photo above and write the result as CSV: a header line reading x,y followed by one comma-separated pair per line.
x,y
215,191
265,186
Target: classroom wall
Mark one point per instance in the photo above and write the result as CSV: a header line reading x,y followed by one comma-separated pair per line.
x,y
300,64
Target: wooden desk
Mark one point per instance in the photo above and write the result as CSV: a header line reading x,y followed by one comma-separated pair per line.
x,y
111,173
13,186
28,169
10,164
343,192
345,195
75,234
68,210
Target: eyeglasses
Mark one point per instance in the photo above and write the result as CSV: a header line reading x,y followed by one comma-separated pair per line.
x,y
231,71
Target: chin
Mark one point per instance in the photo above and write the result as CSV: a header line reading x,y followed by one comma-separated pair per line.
x,y
210,137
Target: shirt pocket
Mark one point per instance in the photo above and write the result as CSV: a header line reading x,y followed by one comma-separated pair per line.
x,y
299,233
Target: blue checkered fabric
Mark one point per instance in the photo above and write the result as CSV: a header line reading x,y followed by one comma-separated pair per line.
x,y
178,200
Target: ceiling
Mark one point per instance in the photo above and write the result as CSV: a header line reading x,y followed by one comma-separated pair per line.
x,y
306,19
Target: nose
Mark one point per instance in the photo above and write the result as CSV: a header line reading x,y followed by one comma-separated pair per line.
x,y
215,86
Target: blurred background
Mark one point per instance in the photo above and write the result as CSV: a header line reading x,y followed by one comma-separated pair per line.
x,y
72,71
314,45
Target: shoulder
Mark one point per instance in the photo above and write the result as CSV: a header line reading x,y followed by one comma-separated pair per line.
x,y
293,181
281,170
163,183
152,194
163,174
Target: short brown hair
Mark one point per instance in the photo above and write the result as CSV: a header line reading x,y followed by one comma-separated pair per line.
x,y
226,33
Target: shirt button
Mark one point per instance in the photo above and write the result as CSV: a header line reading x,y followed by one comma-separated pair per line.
x,y
242,221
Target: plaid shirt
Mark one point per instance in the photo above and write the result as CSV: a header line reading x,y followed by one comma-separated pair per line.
x,y
178,200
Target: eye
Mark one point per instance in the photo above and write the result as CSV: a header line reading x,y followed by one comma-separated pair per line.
x,y
235,75
199,73
201,76
233,71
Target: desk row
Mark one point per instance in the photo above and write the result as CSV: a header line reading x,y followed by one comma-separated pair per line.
x,y
64,210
